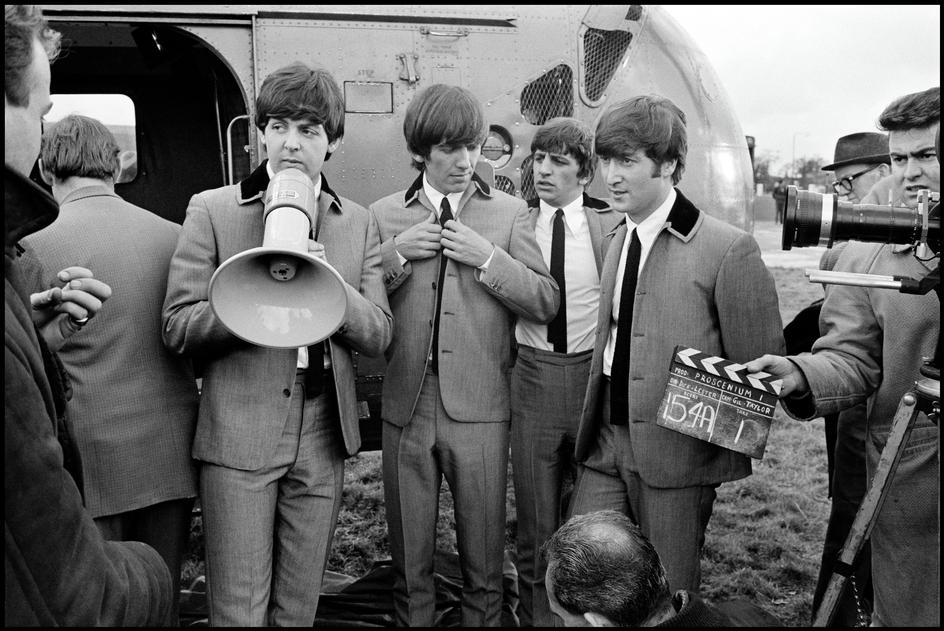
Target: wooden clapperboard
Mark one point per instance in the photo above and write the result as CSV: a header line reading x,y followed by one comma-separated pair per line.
x,y
718,401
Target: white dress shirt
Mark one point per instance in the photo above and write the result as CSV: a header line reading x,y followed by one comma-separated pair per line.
x,y
581,280
647,231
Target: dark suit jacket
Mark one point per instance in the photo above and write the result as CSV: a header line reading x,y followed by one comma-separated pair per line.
x,y
247,388
58,570
705,286
134,403
478,309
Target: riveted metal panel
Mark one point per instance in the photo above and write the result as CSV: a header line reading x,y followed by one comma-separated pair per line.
x,y
496,51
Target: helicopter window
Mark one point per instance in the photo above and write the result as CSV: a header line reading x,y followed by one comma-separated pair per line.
x,y
115,111
505,184
603,51
548,96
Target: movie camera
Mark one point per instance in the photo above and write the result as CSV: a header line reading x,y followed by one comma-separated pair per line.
x,y
813,219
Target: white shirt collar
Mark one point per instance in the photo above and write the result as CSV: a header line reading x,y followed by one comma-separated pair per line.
x,y
435,197
573,214
317,182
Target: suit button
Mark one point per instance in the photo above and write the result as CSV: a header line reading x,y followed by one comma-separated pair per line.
x,y
287,392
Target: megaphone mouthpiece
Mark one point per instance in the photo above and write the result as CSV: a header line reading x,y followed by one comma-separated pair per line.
x,y
291,188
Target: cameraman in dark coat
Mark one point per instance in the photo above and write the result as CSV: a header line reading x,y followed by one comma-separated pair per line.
x,y
58,570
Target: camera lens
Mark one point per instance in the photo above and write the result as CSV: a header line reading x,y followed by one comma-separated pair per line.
x,y
805,220
812,219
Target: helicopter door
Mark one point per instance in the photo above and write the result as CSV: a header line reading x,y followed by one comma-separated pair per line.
x,y
190,85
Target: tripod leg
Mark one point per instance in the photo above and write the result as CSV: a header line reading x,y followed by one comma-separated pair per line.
x,y
869,509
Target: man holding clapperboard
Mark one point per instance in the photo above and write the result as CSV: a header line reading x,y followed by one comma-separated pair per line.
x,y
693,282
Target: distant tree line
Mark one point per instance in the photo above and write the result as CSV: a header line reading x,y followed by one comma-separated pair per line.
x,y
805,171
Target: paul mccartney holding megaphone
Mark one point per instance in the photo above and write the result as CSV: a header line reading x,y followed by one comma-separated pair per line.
x,y
275,282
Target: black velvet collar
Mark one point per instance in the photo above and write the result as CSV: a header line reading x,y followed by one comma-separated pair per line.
x,y
683,216
417,186
256,183
27,208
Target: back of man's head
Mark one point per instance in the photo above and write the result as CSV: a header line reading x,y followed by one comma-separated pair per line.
x,y
22,23
79,146
601,563
912,111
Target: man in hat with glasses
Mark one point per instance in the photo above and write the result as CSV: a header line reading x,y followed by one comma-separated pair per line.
x,y
860,160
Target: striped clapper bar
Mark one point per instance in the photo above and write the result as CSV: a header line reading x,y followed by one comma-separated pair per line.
x,y
718,401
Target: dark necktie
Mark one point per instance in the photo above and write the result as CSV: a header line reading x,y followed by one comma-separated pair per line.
x,y
315,373
445,215
619,373
557,328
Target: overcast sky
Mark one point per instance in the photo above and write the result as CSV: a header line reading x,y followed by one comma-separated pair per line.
x,y
805,75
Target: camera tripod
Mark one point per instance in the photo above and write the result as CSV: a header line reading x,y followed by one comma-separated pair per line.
x,y
924,396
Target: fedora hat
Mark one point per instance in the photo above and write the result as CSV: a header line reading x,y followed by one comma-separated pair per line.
x,y
865,147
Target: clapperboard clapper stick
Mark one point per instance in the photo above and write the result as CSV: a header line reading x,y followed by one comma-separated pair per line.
x,y
719,401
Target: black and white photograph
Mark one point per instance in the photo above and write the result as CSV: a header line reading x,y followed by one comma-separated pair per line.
x,y
533,315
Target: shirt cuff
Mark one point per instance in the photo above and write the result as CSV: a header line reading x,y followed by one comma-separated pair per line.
x,y
484,266
400,257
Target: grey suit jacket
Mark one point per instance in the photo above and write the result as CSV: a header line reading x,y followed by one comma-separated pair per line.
x,y
478,308
601,219
704,285
134,404
247,388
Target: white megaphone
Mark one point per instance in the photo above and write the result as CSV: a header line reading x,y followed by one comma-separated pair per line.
x,y
279,295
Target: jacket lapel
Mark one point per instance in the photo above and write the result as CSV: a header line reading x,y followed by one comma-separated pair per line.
x,y
591,206
534,211
608,275
254,186
684,219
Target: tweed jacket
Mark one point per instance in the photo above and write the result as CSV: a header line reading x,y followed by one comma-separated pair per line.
x,y
703,285
134,404
247,388
478,308
58,570
601,219
874,341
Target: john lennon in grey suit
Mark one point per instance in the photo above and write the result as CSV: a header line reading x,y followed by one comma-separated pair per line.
x,y
700,283
275,425
446,392
549,380
134,404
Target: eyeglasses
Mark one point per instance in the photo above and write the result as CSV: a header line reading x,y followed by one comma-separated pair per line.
x,y
843,186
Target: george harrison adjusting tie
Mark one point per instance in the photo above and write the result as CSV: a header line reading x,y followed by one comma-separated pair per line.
x,y
445,215
557,328
619,372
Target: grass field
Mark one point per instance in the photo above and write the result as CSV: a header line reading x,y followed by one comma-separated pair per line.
x,y
763,543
